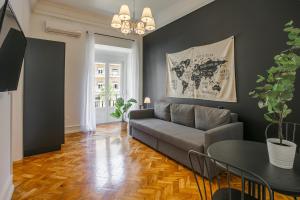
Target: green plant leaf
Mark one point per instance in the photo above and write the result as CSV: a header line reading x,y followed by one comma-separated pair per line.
x,y
260,79
117,114
132,100
277,88
270,119
120,102
252,93
290,23
127,106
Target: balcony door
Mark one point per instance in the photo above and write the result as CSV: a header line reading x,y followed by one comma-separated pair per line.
x,y
108,87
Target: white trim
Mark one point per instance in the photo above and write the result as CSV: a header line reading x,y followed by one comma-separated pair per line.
x,y
69,13
102,20
72,129
7,190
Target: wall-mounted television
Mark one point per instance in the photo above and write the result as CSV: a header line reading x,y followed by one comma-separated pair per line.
x,y
12,48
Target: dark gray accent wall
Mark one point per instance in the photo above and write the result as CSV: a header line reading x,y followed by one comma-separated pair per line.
x,y
257,26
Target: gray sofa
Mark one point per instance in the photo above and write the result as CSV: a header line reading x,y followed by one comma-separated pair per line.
x,y
174,129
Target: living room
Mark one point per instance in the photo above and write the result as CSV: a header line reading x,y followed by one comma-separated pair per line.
x,y
137,99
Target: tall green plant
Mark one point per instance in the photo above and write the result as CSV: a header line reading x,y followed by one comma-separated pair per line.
x,y
121,107
277,88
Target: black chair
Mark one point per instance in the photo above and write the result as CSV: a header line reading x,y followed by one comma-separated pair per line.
x,y
256,189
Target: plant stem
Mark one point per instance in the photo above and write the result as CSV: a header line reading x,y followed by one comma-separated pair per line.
x,y
280,136
291,49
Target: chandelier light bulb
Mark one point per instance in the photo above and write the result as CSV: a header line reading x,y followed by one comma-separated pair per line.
x,y
123,21
126,29
124,13
147,15
140,28
150,25
116,22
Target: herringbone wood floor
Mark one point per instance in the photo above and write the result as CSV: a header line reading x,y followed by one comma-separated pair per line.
x,y
105,165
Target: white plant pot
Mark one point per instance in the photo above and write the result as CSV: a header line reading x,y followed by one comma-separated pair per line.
x,y
279,155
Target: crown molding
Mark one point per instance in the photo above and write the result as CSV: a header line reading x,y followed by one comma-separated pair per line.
x,y
101,20
96,22
72,14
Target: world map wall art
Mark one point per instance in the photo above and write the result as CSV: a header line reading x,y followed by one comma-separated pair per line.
x,y
204,72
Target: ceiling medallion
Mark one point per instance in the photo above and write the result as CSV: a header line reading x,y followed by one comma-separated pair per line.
x,y
127,25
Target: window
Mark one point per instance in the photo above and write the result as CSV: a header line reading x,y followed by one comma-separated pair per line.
x,y
116,86
100,71
100,85
115,71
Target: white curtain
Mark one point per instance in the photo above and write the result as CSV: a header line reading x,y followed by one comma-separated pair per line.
x,y
88,114
134,74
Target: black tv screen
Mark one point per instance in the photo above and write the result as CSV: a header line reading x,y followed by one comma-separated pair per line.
x,y
13,45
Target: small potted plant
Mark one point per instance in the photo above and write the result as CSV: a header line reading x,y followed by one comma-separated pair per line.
x,y
274,92
121,107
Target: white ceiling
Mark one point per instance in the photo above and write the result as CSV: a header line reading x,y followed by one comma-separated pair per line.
x,y
164,11
112,6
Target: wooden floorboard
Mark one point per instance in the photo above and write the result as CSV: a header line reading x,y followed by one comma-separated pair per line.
x,y
104,165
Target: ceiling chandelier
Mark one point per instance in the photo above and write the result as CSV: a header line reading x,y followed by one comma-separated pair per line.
x,y
123,21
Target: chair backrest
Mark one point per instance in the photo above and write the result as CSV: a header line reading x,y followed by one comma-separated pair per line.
x,y
288,130
251,184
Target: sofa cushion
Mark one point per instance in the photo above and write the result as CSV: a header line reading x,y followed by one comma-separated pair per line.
x,y
162,111
207,118
183,114
183,137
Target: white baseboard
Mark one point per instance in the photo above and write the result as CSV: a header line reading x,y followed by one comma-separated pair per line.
x,y
6,192
72,129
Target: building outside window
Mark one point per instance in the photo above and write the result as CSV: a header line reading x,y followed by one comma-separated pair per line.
x,y
116,86
100,85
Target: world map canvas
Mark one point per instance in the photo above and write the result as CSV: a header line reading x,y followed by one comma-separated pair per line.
x,y
204,72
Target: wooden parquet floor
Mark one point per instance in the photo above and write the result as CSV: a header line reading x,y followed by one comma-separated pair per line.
x,y
105,165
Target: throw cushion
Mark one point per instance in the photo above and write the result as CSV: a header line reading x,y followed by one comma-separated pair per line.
x,y
183,114
207,118
162,111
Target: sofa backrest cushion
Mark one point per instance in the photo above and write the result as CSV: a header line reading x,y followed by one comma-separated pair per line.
x,y
183,114
207,118
162,111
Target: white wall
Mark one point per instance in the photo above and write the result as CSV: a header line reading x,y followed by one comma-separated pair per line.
x,y
22,10
75,52
6,185
73,67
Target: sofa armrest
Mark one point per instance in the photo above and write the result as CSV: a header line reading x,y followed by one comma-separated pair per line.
x,y
141,114
232,131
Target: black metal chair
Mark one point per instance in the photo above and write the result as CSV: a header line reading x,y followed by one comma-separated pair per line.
x,y
220,186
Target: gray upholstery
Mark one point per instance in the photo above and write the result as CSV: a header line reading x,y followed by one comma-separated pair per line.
x,y
174,139
231,131
178,135
162,111
183,114
141,114
207,118
145,137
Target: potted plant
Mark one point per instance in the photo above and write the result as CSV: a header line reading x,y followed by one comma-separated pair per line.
x,y
274,92
121,107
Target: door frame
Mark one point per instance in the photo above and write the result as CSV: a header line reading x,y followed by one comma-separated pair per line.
x,y
109,57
